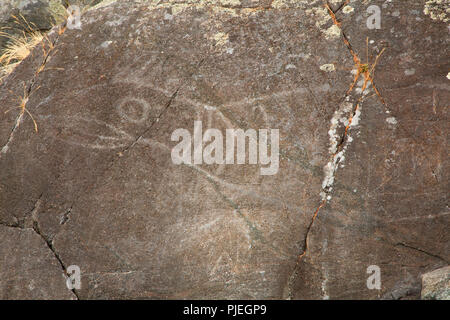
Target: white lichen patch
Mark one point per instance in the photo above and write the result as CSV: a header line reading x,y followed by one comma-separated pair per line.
x,y
221,39
338,116
231,3
282,4
229,50
320,15
348,9
105,44
332,32
437,9
448,76
325,294
230,11
102,4
359,86
328,67
356,118
209,108
339,119
391,120
410,72
220,42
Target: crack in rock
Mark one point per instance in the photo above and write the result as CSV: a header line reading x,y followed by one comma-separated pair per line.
x,y
34,225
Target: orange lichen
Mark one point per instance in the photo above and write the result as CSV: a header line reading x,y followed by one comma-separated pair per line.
x,y
311,223
365,69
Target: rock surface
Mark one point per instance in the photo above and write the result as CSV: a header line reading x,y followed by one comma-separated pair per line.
x,y
96,186
436,284
29,268
17,16
37,12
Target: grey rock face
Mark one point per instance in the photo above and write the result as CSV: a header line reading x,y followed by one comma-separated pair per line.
x,y
17,17
37,12
40,15
29,270
436,284
359,183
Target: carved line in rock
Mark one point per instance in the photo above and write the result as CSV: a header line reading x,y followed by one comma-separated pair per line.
x,y
253,102
121,138
143,106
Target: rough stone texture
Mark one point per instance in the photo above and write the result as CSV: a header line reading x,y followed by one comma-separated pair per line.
x,y
36,11
28,269
40,15
436,284
17,17
112,202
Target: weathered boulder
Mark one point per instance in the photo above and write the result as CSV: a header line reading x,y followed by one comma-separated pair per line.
x,y
436,284
40,15
37,12
359,183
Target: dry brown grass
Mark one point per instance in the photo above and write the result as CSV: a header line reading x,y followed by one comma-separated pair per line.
x,y
18,46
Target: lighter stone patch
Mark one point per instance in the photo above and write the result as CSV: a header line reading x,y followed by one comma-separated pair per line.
x,y
360,84
339,116
410,72
106,44
280,4
391,120
115,23
328,67
221,39
104,3
437,9
356,118
325,295
448,76
230,50
231,7
233,3
348,9
301,55
332,32
31,286
320,14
